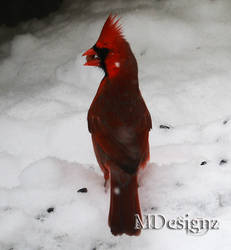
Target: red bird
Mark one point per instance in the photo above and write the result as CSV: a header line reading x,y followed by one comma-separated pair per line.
x,y
119,123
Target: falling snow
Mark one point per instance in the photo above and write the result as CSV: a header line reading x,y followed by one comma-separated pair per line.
x,y
117,190
117,64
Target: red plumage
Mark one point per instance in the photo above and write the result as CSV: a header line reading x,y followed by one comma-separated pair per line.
x,y
111,33
119,123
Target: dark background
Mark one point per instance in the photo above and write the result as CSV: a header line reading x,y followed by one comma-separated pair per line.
x,y
14,11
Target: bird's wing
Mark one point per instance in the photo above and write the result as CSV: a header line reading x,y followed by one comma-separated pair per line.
x,y
124,145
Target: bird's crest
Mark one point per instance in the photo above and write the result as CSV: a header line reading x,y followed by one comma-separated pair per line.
x,y
111,33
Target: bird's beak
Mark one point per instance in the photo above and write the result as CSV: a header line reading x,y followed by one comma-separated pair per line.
x,y
91,57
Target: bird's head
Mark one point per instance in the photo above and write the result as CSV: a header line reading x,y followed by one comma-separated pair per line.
x,y
111,52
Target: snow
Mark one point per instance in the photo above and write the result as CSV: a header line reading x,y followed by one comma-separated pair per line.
x,y
117,64
117,190
46,156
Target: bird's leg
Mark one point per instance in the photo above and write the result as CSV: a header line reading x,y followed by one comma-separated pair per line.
x,y
106,182
106,185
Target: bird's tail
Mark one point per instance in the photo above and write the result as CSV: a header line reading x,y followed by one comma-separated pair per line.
x,y
124,203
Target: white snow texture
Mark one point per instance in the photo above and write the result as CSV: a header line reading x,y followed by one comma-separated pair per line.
x,y
183,52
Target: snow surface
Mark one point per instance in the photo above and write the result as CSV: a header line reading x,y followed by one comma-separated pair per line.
x,y
183,52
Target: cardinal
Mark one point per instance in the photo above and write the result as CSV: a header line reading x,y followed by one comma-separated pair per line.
x,y
119,123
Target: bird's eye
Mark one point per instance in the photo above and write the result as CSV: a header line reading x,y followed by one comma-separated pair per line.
x,y
101,52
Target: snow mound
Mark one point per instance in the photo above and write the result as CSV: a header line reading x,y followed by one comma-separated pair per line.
x,y
45,173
